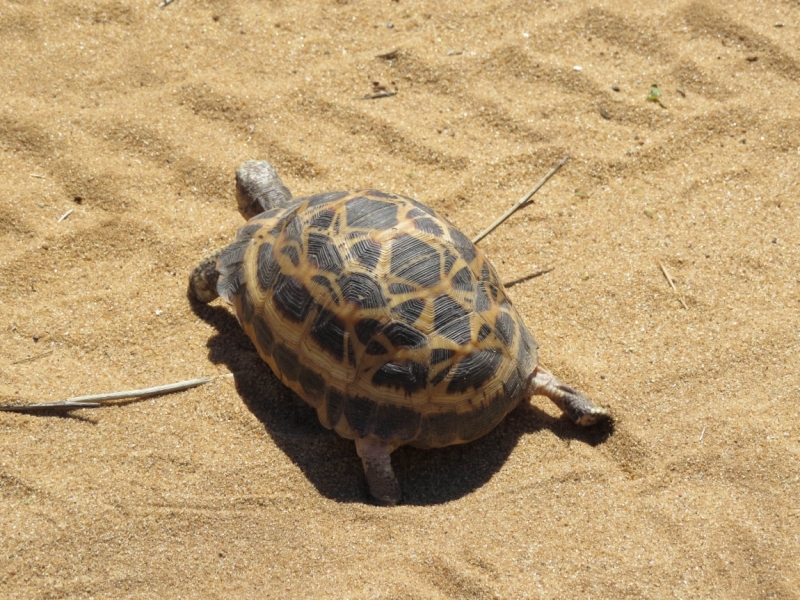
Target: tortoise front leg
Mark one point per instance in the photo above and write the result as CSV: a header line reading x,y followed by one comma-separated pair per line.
x,y
203,279
376,456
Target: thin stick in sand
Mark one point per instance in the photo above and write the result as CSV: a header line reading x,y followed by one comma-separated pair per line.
x,y
32,358
519,204
65,215
672,284
98,399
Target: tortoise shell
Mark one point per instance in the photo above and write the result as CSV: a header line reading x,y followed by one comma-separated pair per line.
x,y
381,315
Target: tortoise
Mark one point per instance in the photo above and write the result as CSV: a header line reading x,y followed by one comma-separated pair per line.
x,y
381,315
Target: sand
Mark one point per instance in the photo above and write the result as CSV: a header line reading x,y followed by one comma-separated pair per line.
x,y
134,118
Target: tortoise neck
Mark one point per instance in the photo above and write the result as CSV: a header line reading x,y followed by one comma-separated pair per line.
x,y
259,188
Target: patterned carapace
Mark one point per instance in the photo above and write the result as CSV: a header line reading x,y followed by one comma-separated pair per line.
x,y
381,315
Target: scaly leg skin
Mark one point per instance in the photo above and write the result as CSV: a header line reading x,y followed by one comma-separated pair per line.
x,y
203,280
376,456
577,406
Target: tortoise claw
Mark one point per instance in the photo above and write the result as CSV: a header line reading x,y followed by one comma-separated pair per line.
x,y
578,407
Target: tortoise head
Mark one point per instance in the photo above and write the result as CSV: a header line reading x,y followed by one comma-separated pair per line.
x,y
258,188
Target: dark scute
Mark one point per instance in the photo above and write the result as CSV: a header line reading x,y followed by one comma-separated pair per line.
x,y
462,280
360,414
248,309
401,335
323,281
482,420
246,233
439,377
361,290
440,355
474,370
351,353
313,384
264,337
410,376
504,325
425,272
375,348
319,199
463,245
367,252
294,231
526,335
415,212
415,260
449,261
322,220
428,225
287,362
291,252
334,404
438,429
292,298
488,275
380,194
396,422
409,311
230,281
366,330
526,354
371,214
322,252
400,288
484,332
514,388
420,206
481,298
283,221
328,332
459,331
229,265
447,311
268,267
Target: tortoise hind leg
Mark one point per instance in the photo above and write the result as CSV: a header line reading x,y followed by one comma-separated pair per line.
x,y
376,456
203,279
577,406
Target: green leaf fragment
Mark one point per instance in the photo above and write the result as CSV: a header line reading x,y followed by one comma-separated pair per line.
x,y
655,95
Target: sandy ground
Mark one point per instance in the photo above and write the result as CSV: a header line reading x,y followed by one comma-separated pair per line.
x,y
134,117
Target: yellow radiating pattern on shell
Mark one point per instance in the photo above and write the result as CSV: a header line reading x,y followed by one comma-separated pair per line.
x,y
381,315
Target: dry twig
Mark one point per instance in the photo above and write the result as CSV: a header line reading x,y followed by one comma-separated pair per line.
x,y
98,399
390,55
525,278
65,215
519,204
672,284
380,94
31,358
